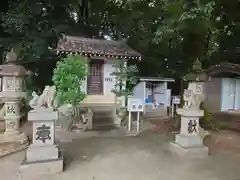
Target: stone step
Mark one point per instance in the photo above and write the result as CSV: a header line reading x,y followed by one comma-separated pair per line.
x,y
107,115
102,118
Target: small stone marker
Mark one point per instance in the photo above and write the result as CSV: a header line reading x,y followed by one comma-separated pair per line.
x,y
43,154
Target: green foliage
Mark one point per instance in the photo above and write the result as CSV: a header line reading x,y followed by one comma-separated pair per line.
x,y
29,29
207,120
170,35
207,114
67,79
125,78
189,30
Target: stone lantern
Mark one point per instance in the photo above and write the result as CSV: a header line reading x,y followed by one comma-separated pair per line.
x,y
12,94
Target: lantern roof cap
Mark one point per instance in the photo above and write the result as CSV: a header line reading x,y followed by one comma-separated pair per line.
x,y
11,68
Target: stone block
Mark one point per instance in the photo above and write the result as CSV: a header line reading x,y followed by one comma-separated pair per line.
x,y
43,155
188,141
35,153
193,152
42,167
190,112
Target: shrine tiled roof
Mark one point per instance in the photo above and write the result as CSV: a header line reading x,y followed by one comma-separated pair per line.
x,y
96,47
224,67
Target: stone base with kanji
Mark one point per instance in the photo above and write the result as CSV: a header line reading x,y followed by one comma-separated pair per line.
x,y
189,143
43,156
17,137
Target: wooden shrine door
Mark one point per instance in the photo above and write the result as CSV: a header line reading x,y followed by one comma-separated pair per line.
x,y
95,80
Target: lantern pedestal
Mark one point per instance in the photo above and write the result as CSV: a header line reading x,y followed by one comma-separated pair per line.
x,y
43,156
14,137
189,143
12,118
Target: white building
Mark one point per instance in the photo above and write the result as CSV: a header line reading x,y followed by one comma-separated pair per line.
x,y
222,90
99,82
155,94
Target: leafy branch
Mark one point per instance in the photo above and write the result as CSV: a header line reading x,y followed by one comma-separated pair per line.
x,y
125,78
67,79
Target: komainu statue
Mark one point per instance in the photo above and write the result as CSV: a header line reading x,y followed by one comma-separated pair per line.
x,y
34,101
51,96
46,99
42,101
193,96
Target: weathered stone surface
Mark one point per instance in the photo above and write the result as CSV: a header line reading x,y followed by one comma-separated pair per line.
x,y
42,153
188,141
186,152
2,126
43,156
42,167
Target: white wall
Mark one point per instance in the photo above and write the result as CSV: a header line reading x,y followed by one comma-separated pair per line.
x,y
138,91
226,102
237,98
84,82
109,80
160,93
213,94
224,94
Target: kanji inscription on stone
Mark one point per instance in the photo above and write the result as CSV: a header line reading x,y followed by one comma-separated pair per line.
x,y
192,125
11,109
43,133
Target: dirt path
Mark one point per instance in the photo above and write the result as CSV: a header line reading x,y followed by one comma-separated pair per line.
x,y
142,158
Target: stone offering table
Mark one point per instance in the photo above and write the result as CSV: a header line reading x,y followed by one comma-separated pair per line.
x,y
189,142
43,155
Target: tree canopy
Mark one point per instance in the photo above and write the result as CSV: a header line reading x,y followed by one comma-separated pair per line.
x,y
171,35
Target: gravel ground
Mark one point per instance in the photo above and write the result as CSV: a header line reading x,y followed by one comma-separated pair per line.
x,y
143,157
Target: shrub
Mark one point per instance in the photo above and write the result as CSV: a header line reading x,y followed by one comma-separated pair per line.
x,y
67,79
125,78
207,120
